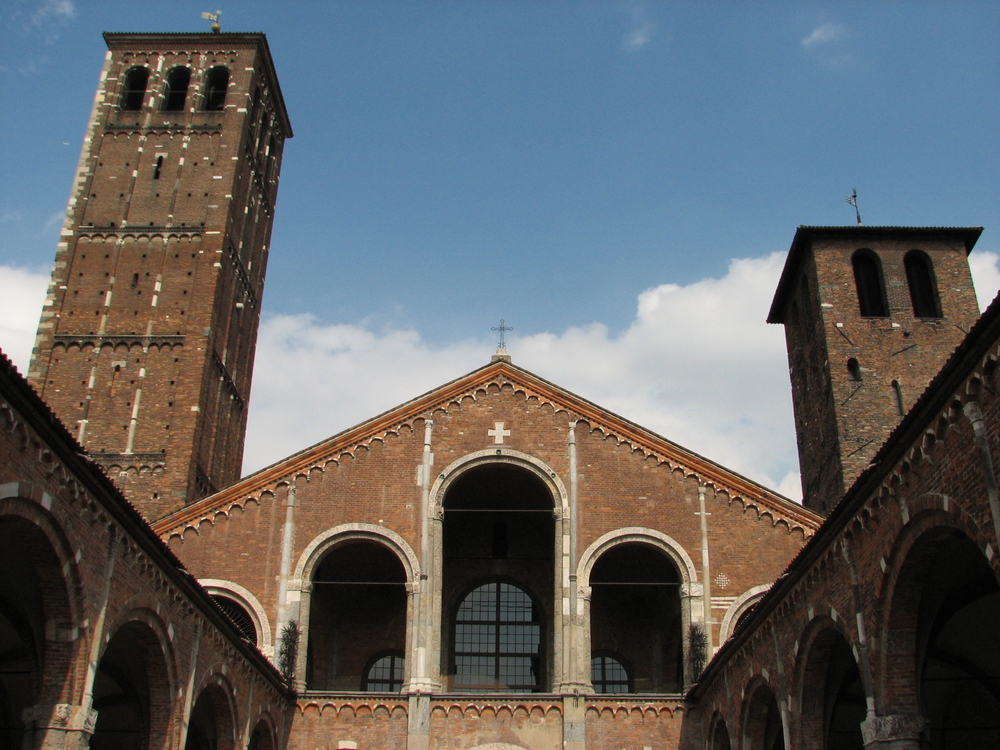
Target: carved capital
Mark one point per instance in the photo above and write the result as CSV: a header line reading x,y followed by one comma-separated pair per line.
x,y
895,727
60,717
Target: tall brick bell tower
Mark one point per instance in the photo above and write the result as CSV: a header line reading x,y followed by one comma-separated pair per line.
x,y
871,314
146,342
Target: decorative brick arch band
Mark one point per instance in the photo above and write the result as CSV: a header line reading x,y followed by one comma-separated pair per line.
x,y
330,538
637,534
505,456
249,602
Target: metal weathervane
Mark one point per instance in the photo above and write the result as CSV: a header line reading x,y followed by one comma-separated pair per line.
x,y
502,329
214,18
853,200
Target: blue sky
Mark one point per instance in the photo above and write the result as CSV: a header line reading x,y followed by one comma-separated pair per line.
x,y
609,177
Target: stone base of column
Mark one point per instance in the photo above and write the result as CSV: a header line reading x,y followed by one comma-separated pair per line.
x,y
894,732
418,726
59,726
574,723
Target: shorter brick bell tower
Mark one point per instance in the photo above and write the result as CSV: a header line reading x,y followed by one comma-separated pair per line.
x,y
870,314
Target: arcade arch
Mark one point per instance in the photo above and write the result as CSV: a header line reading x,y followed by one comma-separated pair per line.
x,y
212,723
832,697
945,623
37,619
132,690
762,727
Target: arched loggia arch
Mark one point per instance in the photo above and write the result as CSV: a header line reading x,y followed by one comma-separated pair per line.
x,y
372,543
680,578
515,506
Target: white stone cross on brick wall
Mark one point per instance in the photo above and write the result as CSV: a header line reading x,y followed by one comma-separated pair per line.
x,y
498,433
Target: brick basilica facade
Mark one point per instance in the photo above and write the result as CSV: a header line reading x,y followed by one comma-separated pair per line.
x,y
497,563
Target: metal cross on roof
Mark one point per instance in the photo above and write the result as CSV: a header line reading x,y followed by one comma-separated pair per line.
x,y
502,346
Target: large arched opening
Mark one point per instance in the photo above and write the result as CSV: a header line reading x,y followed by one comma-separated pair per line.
x,y
131,691
498,581
762,727
32,594
945,641
357,619
833,697
635,612
211,725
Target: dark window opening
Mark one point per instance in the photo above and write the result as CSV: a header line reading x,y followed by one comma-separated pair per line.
x,y
176,89
498,639
156,170
135,280
923,286
897,393
216,83
871,288
610,673
384,673
853,369
134,90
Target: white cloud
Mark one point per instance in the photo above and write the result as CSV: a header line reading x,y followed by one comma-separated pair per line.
x,y
49,11
639,37
698,365
824,34
22,292
985,267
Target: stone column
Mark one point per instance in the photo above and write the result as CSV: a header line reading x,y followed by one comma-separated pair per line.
x,y
894,732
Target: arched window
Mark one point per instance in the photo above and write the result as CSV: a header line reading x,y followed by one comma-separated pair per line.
x,y
216,83
923,286
175,92
871,288
134,89
239,616
610,673
498,636
384,673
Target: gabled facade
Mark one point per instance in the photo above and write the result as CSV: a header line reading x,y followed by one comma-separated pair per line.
x,y
495,542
